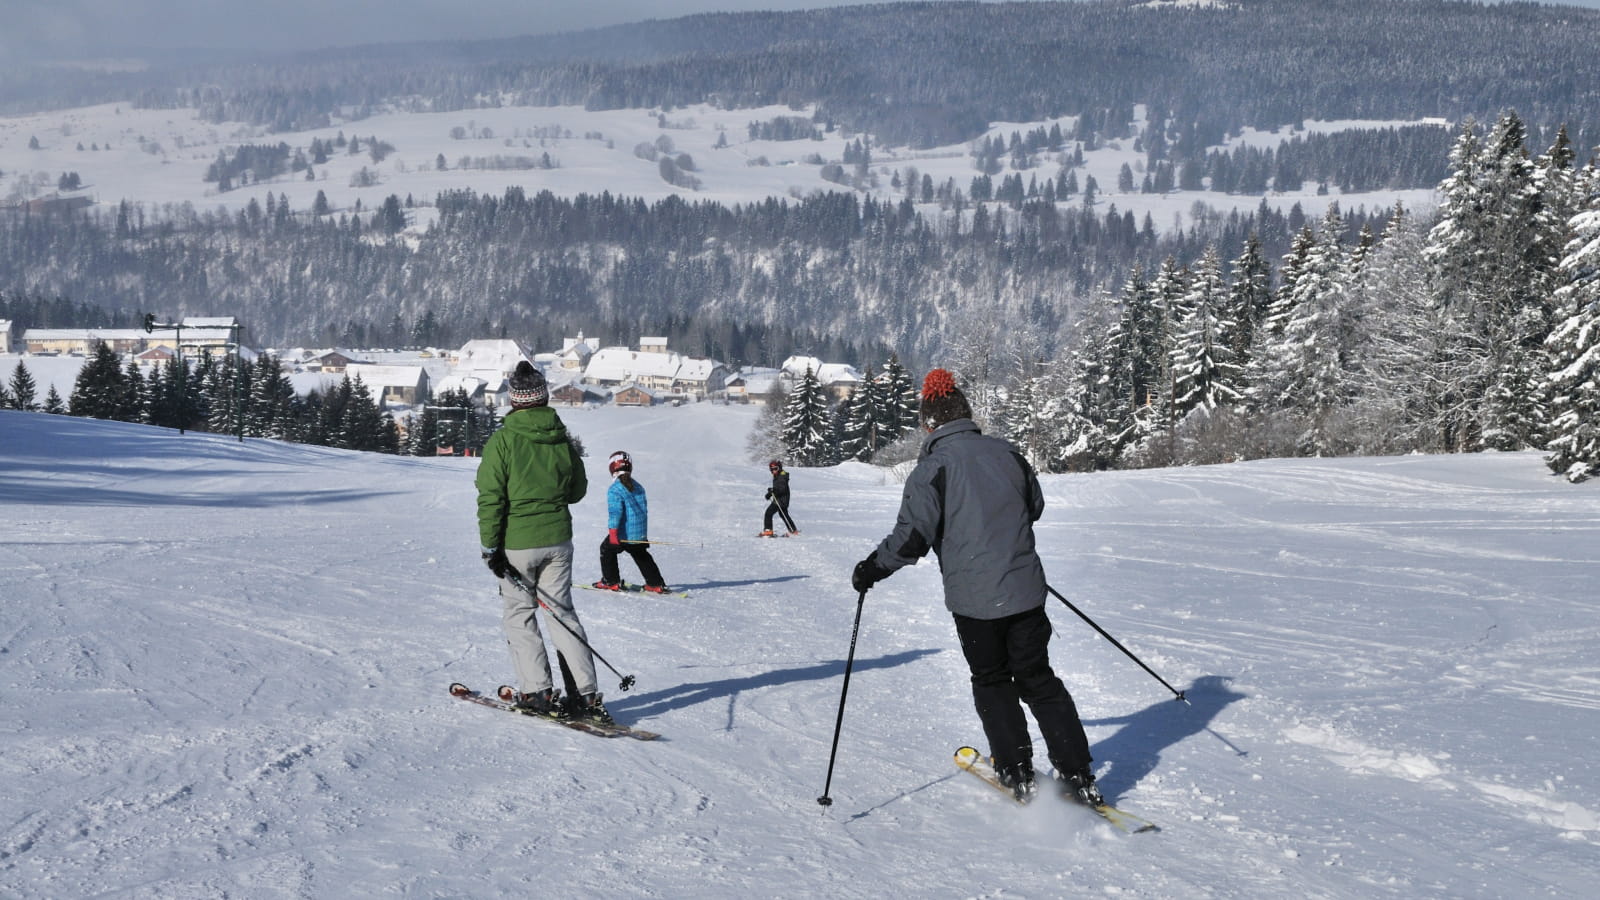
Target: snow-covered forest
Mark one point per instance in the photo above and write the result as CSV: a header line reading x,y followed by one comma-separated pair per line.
x,y
1455,319
1475,328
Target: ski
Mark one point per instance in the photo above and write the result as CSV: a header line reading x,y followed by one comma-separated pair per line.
x,y
969,759
628,588
463,692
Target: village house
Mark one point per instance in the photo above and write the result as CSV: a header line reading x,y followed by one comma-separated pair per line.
x,y
491,361
479,392
575,353
699,377
837,379
654,367
81,341
401,385
334,362
575,393
213,334
633,395
6,336
753,384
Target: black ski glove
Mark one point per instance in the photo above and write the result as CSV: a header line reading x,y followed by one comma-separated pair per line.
x,y
867,573
497,562
768,495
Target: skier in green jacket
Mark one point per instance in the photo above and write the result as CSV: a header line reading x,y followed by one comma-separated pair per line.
x,y
529,475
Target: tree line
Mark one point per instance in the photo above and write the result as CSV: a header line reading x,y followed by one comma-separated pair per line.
x,y
254,399
1477,328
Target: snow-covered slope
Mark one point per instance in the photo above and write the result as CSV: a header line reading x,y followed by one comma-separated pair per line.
x,y
223,670
158,158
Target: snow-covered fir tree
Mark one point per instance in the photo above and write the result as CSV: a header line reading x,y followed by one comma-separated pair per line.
x,y
1494,251
901,404
807,426
1268,370
1317,345
1250,296
1574,346
53,403
1097,388
1206,373
860,417
23,389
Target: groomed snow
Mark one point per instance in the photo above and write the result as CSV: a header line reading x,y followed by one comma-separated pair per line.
x,y
223,670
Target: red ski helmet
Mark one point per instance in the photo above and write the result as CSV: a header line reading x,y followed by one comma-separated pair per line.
x,y
620,462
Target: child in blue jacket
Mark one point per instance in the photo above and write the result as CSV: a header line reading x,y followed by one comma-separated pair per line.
x,y
628,529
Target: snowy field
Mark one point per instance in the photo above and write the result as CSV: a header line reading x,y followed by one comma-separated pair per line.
x,y
223,669
157,157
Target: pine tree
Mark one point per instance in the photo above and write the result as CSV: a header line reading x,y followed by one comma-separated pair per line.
x,y
1315,353
98,391
1402,330
53,404
1574,347
858,422
806,425
1205,371
1250,296
901,402
23,389
362,426
1097,390
1494,251
226,388
1168,291
1271,360
422,433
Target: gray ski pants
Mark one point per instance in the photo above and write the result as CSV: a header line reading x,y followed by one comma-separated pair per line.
x,y
550,570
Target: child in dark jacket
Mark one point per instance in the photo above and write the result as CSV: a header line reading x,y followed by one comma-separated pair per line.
x,y
778,494
628,529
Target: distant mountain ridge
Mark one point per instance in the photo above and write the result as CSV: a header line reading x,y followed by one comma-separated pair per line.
x,y
924,74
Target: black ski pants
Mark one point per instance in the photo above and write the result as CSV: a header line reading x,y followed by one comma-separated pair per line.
x,y
1010,663
609,571
779,510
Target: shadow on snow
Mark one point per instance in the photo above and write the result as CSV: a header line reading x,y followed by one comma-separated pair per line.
x,y
1135,749
657,702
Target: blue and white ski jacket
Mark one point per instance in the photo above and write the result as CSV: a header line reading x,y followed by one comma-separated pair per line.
x,y
628,511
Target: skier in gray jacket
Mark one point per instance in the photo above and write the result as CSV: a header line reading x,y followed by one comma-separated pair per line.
x,y
972,500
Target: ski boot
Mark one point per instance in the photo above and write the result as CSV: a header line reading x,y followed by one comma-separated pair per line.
x,y
656,589
590,709
1080,787
607,585
545,703
1017,778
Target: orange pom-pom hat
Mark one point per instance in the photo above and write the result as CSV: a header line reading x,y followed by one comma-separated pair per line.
x,y
938,383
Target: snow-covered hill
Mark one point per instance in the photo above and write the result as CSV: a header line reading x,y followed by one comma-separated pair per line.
x,y
223,670
158,158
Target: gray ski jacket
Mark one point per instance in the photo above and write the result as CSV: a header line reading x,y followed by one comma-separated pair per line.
x,y
972,500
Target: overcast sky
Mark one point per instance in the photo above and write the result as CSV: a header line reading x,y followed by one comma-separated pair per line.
x,y
78,28
100,26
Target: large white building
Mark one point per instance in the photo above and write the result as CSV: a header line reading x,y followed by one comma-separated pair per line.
x,y
656,369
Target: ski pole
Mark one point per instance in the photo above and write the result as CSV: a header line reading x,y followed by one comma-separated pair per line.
x,y
850,662
1178,695
783,511
517,579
